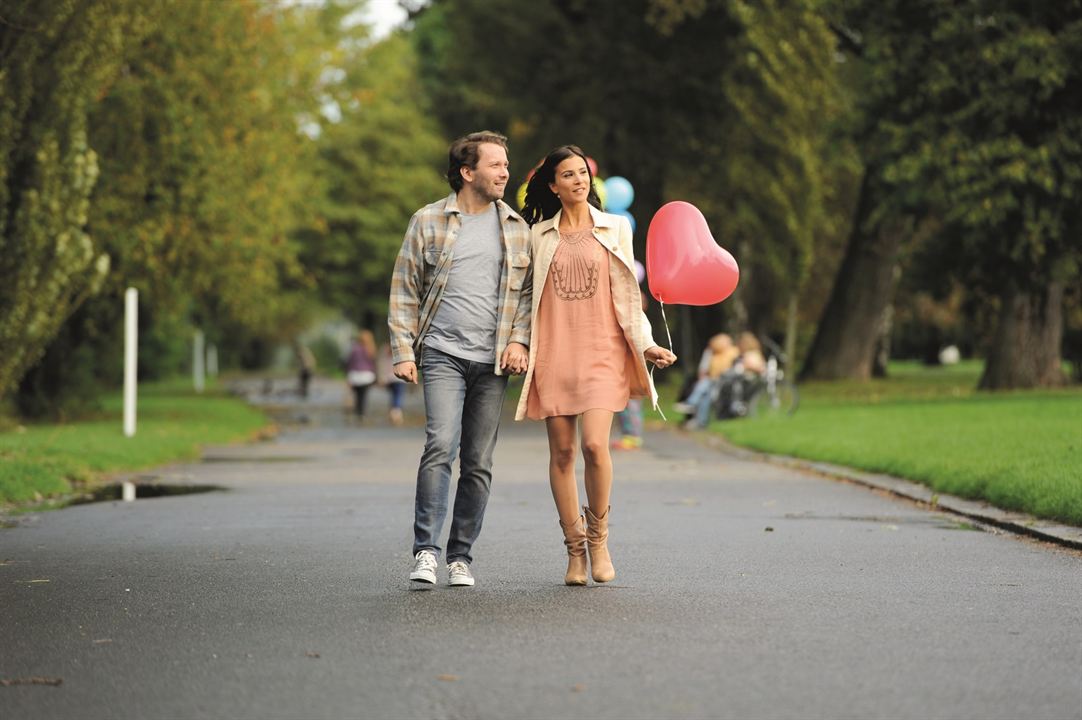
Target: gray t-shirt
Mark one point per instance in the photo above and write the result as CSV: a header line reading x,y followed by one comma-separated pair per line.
x,y
465,323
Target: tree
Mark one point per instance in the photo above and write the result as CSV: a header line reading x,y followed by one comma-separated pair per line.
x,y
884,48
204,171
970,125
1001,138
723,104
56,56
378,163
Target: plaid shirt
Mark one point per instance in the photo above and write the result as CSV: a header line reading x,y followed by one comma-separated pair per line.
x,y
422,267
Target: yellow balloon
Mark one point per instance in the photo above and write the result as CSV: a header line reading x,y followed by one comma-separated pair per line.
x,y
520,196
599,188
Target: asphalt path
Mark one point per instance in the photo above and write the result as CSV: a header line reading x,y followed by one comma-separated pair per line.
x,y
743,590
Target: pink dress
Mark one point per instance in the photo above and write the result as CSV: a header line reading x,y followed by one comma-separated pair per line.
x,y
583,361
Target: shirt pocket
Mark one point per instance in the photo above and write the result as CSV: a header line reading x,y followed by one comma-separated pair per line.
x,y
520,263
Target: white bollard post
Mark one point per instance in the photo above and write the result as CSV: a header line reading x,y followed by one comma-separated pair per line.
x,y
131,338
198,372
212,360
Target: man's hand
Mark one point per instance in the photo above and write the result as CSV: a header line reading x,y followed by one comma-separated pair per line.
x,y
406,371
661,357
516,358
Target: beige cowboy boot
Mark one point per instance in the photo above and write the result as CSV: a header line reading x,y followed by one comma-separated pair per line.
x,y
575,540
597,536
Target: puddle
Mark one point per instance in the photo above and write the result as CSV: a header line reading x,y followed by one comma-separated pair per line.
x,y
110,493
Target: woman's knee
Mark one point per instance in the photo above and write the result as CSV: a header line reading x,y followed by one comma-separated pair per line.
x,y
563,456
595,451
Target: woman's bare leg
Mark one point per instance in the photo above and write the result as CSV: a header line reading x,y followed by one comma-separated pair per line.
x,y
596,425
565,491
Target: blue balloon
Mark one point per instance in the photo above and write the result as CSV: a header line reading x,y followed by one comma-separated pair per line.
x,y
619,194
630,218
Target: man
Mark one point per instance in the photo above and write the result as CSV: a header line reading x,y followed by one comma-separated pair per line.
x,y
460,308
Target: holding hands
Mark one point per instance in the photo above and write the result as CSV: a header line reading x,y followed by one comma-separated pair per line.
x,y
661,357
515,359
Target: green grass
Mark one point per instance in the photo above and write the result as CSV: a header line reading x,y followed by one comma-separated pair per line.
x,y
172,423
1018,450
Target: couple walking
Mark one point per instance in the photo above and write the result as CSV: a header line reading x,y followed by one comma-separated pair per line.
x,y
480,292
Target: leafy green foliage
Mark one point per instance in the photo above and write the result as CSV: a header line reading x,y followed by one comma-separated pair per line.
x,y
971,118
377,165
204,164
56,54
194,117
980,110
695,100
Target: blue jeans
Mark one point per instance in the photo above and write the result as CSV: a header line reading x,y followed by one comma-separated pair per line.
x,y
631,418
463,402
702,398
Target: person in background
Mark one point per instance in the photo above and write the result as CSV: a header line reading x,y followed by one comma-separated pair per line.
x,y
718,358
630,422
395,385
306,367
751,358
361,369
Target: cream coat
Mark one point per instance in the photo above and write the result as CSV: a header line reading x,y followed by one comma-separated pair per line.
x,y
614,234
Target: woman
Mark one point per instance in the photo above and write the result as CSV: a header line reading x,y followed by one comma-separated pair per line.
x,y
751,354
361,368
589,345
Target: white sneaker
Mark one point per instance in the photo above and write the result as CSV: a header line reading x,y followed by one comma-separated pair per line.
x,y
458,574
424,567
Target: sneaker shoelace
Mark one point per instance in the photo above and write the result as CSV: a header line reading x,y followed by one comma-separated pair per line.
x,y
459,569
426,562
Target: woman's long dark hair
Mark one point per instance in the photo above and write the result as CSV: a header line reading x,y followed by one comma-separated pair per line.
x,y
541,203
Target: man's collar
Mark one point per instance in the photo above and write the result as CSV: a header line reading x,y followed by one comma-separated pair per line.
x,y
505,211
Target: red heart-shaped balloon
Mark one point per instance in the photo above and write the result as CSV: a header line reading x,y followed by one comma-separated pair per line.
x,y
684,263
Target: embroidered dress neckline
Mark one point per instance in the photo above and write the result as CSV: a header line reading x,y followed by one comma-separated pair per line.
x,y
575,266
574,237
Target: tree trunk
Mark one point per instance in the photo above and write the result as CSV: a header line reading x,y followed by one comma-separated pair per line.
x,y
791,329
845,338
1028,341
690,345
738,301
881,356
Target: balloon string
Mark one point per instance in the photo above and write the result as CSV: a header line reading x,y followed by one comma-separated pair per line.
x,y
654,367
666,322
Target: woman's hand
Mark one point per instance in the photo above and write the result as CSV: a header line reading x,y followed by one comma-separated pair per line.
x,y
659,356
516,359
